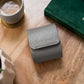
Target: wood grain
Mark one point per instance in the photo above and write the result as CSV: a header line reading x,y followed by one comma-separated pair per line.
x,y
67,70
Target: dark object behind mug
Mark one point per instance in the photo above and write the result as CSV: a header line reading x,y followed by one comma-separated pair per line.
x,y
44,43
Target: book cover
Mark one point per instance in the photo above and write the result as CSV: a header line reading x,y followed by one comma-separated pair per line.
x,y
69,13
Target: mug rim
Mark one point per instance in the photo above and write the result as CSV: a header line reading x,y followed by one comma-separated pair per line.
x,y
15,12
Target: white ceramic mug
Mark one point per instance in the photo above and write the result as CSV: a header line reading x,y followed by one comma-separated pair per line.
x,y
14,18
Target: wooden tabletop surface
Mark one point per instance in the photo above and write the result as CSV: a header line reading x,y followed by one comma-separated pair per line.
x,y
67,70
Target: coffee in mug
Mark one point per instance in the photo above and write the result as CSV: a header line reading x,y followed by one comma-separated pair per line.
x,y
11,11
10,7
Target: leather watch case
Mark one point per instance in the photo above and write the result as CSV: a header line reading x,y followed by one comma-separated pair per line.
x,y
44,43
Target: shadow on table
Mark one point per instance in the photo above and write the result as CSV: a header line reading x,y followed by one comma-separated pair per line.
x,y
49,65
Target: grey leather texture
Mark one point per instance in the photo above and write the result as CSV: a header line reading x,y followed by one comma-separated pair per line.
x,y
44,43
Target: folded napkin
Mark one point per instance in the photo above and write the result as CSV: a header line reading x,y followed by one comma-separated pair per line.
x,y
69,13
7,75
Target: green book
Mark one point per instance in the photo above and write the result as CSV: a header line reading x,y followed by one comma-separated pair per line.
x,y
69,13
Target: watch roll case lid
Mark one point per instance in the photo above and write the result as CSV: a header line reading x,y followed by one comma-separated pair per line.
x,y
44,43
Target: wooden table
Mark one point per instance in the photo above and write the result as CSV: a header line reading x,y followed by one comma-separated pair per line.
x,y
67,70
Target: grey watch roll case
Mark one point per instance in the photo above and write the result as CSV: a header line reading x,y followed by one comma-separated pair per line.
x,y
44,43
